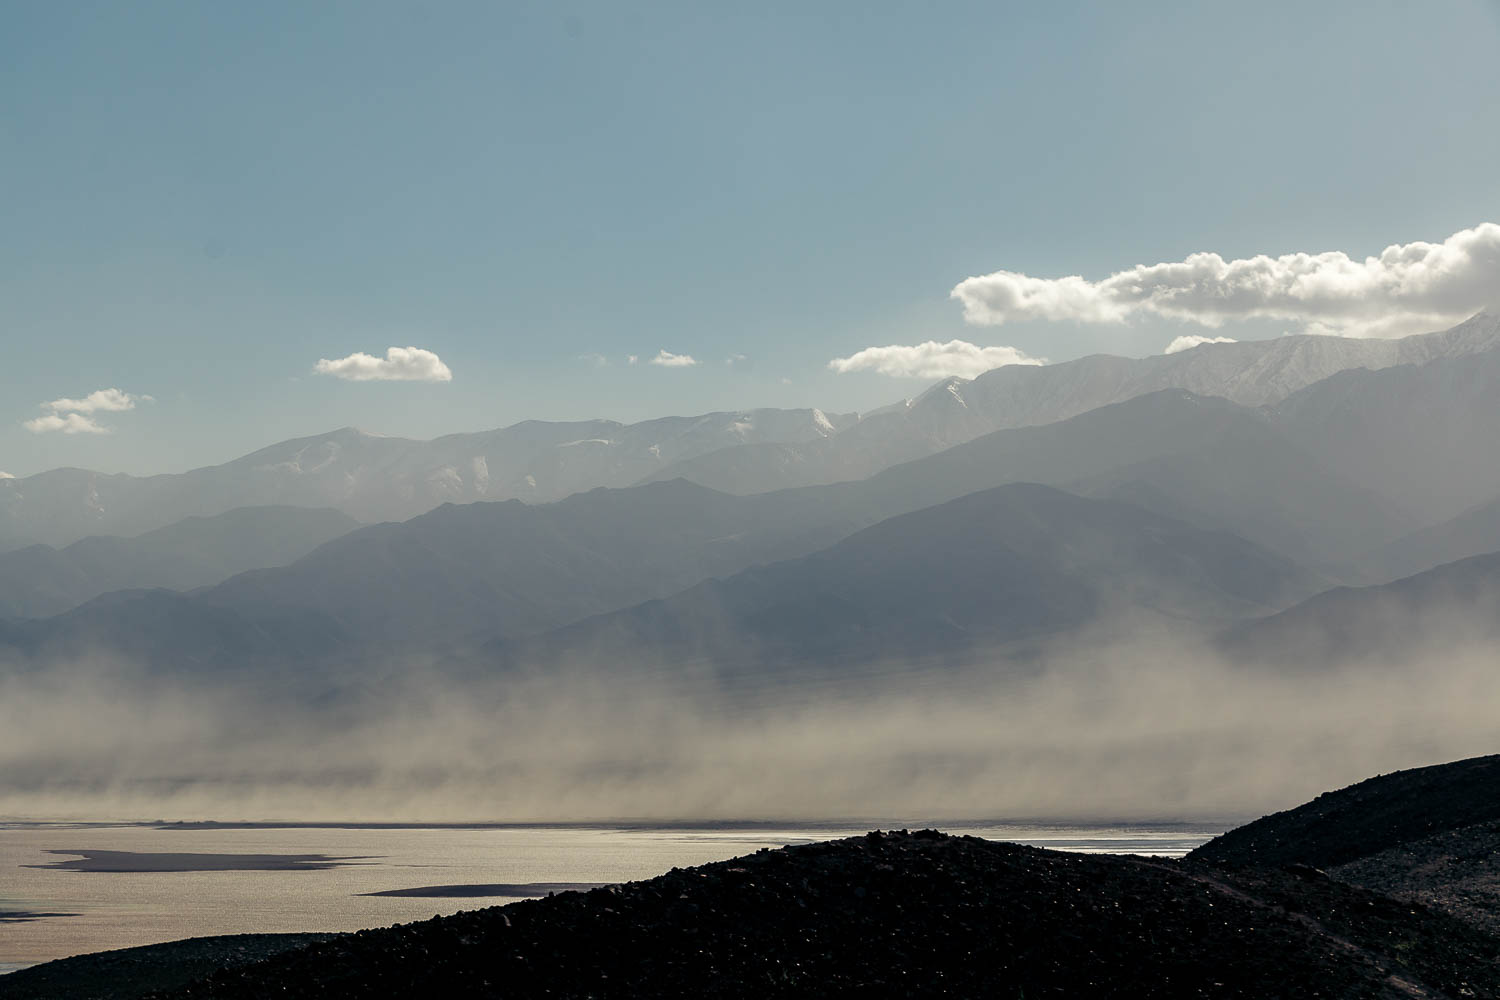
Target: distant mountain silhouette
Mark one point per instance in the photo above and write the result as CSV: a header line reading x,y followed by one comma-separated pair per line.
x,y
1012,563
1252,373
510,568
1447,607
1474,532
1426,437
39,581
1207,461
463,573
375,478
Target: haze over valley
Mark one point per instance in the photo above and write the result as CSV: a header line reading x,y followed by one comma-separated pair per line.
x,y
1005,601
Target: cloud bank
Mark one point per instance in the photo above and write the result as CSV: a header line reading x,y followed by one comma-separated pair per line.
x,y
400,364
74,416
1407,288
1193,340
932,360
669,360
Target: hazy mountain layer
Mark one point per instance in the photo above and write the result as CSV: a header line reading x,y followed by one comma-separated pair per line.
x,y
1474,532
40,581
510,568
375,478
1253,373
1451,607
1425,436
1206,461
461,573
1012,563
466,573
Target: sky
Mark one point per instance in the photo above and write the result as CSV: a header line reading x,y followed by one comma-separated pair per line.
x,y
226,225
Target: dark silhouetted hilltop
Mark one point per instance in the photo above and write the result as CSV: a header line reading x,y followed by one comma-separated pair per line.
x,y
1430,834
899,914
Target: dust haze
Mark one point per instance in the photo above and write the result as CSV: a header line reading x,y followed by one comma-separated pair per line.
x,y
1154,728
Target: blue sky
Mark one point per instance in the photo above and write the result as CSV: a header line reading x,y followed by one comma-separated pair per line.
x,y
201,201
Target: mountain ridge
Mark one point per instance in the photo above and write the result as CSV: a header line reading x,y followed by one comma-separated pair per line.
x,y
376,478
956,410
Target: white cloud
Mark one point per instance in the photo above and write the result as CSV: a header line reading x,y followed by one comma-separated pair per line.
x,y
1408,288
72,416
932,360
98,400
736,359
632,359
594,359
1192,340
6,475
669,360
400,364
67,423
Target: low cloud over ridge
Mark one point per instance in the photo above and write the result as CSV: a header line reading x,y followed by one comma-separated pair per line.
x,y
1189,341
932,360
1407,288
400,364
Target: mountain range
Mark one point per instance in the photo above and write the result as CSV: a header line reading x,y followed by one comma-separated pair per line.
x,y
1455,606
1192,510
473,572
374,478
1254,373
1012,563
40,581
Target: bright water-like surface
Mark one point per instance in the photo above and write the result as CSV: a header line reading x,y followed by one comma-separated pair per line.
x,y
123,909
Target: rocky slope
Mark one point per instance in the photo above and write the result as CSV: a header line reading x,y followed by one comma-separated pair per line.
x,y
1365,818
132,972
1430,834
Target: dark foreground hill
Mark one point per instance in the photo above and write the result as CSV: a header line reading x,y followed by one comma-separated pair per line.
x,y
918,914
925,914
127,973
1430,834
